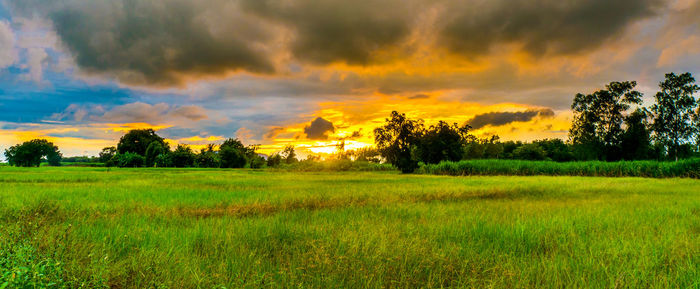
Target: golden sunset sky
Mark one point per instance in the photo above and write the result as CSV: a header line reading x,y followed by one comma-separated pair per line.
x,y
316,72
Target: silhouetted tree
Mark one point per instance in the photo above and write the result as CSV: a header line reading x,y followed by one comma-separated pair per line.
x,y
555,150
674,112
138,140
127,160
30,153
636,141
232,154
398,140
183,156
531,151
443,142
289,154
107,154
274,160
596,131
153,151
208,158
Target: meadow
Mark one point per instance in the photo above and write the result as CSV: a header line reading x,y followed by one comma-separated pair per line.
x,y
208,228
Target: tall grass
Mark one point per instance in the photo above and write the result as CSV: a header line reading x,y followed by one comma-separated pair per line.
x,y
689,168
209,228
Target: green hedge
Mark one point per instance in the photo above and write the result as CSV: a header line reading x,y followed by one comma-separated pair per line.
x,y
689,168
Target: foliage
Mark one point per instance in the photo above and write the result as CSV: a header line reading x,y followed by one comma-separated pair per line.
x,y
138,140
531,152
674,112
689,168
208,158
30,153
597,130
274,160
398,140
233,154
443,142
183,157
289,155
127,160
107,154
153,151
636,141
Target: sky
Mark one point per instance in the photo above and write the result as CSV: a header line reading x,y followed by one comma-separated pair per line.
x,y
314,73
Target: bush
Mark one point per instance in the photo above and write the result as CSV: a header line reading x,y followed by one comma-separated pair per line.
x,y
127,160
689,168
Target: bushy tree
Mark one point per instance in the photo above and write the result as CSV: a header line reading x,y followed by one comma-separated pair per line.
x,y
233,154
208,158
596,131
127,160
274,160
154,150
398,140
531,152
183,156
674,112
636,141
30,153
138,140
443,142
555,150
107,154
289,154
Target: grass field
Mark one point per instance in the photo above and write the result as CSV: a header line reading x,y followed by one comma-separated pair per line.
x,y
152,228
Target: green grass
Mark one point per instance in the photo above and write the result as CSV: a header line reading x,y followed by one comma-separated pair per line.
x,y
689,168
197,228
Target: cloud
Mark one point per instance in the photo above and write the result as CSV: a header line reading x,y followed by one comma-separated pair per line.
x,y
419,96
540,27
173,42
159,42
503,118
319,129
8,51
37,58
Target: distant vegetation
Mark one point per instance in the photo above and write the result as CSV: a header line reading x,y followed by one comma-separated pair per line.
x,y
609,125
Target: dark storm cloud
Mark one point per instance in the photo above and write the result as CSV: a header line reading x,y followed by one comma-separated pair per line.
x,y
319,129
503,118
338,30
170,42
154,42
541,26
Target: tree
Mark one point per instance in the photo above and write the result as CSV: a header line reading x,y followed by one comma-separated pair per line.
x,y
596,131
127,160
107,154
531,152
398,139
30,153
674,112
233,154
443,142
208,158
274,160
555,150
138,140
153,151
636,141
183,156
289,154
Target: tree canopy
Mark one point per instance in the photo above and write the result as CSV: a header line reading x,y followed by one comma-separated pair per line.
x,y
30,153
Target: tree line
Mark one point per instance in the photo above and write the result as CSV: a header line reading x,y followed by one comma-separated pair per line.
x,y
609,125
603,128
